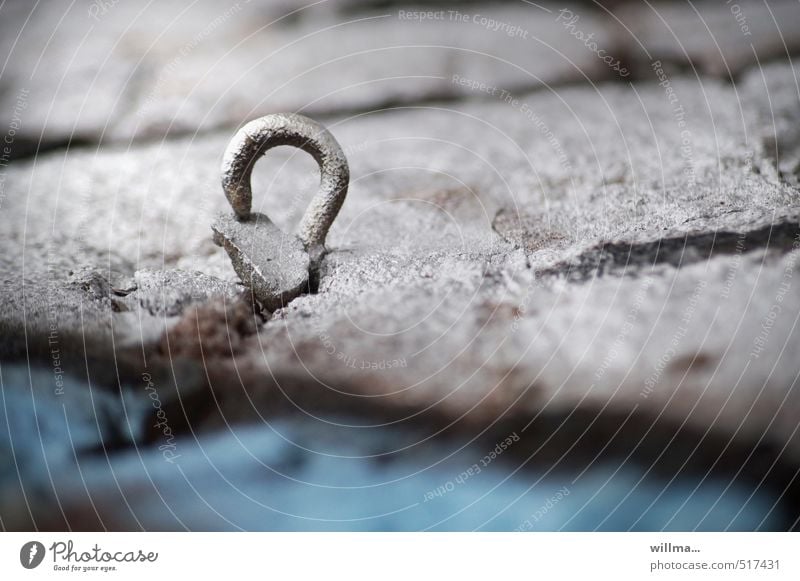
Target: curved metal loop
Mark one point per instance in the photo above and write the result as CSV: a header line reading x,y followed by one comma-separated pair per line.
x,y
260,135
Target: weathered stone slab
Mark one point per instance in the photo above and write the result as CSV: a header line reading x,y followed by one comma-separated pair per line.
x,y
145,72
423,187
80,67
606,271
774,122
715,38
594,258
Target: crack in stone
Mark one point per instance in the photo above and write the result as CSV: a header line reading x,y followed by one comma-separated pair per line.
x,y
629,258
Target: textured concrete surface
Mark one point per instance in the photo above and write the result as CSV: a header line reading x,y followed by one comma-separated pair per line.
x,y
606,270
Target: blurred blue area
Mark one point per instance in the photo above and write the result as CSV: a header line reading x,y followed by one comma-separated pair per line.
x,y
261,478
304,474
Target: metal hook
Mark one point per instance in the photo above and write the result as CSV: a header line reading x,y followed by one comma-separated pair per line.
x,y
260,135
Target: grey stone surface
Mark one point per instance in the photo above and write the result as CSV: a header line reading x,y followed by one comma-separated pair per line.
x,y
714,38
127,72
775,120
421,181
423,187
145,72
585,263
81,66
168,293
